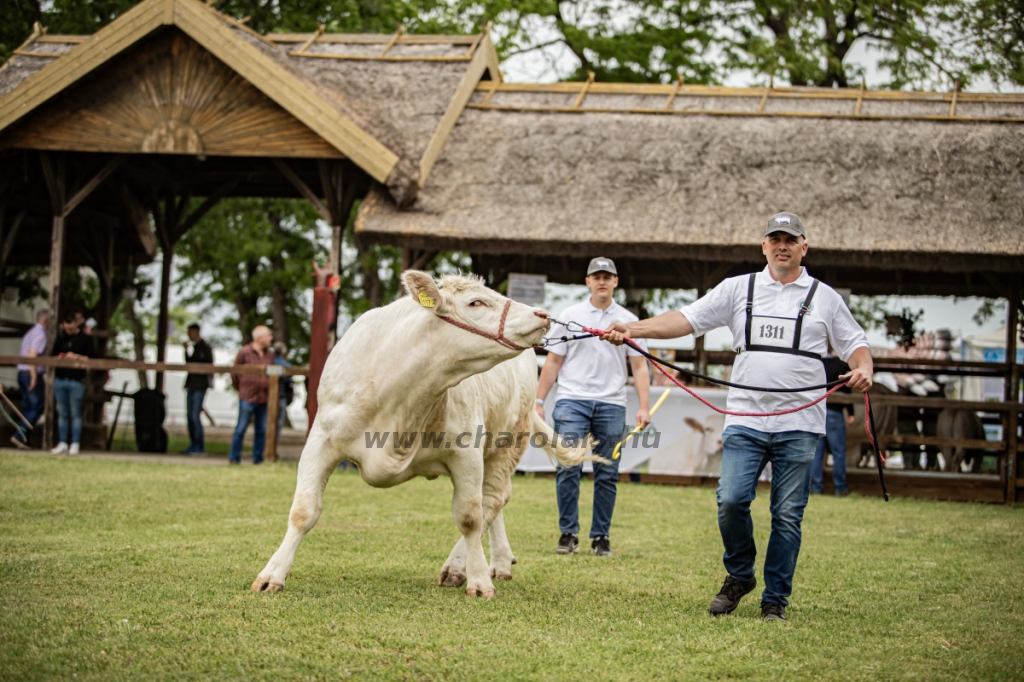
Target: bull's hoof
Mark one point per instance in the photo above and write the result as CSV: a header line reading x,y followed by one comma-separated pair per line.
x,y
485,592
500,574
451,578
261,585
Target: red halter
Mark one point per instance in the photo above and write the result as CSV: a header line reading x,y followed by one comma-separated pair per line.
x,y
499,337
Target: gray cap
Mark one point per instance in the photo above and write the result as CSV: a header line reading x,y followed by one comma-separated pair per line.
x,y
786,222
601,265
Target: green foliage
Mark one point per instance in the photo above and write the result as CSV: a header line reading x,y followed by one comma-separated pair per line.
x,y
27,282
252,256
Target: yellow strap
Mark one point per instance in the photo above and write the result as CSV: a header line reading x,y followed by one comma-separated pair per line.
x,y
616,453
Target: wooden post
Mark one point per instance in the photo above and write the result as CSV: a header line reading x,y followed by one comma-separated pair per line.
x,y
54,177
1011,419
273,411
319,333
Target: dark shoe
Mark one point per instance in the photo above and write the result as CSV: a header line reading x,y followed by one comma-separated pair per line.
x,y
232,463
601,546
728,598
773,612
197,453
842,493
568,544
187,451
18,443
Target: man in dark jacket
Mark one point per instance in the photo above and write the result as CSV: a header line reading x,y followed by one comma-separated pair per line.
x,y
196,386
69,384
835,433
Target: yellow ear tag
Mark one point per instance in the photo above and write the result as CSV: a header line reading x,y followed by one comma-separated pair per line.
x,y
425,300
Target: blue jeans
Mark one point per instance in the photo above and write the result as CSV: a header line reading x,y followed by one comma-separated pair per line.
x,y
835,434
194,409
246,413
574,419
32,402
69,394
745,454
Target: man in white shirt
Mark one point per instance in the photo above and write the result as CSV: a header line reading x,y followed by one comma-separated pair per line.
x,y
592,399
782,322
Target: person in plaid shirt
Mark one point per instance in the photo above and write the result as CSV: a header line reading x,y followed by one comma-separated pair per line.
x,y
252,395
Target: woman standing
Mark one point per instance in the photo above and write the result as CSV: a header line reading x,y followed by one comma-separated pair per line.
x,y
69,385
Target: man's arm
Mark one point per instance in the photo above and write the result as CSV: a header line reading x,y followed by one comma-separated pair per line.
x,y
862,369
642,382
548,376
33,369
236,379
670,325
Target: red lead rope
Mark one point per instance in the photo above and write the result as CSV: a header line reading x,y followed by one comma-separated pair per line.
x,y
869,425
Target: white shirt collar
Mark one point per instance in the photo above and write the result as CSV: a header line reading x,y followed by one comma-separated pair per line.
x,y
594,309
766,279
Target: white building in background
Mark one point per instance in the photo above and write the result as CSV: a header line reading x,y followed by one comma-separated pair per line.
x,y
221,401
990,347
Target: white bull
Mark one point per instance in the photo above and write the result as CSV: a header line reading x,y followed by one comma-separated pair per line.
x,y
403,369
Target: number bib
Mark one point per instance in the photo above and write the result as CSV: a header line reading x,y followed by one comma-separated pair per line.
x,y
772,331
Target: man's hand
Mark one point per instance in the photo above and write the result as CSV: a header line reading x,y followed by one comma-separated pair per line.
x,y
539,408
616,333
32,380
643,418
860,379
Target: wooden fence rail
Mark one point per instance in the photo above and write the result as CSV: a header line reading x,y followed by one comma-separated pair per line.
x,y
273,373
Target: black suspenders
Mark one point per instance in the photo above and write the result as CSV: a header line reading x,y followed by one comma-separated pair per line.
x,y
795,350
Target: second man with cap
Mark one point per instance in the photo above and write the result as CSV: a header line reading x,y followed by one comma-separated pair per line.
x,y
591,380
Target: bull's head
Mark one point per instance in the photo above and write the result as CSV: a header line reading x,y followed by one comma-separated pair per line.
x,y
467,302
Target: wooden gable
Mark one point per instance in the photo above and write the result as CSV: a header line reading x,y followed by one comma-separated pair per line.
x,y
171,96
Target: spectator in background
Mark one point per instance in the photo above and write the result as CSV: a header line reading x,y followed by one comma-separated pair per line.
x,y
196,386
835,433
287,384
69,385
30,377
252,395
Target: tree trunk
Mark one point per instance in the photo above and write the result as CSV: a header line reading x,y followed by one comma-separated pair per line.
x,y
139,338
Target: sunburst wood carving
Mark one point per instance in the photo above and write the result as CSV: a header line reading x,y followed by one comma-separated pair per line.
x,y
169,97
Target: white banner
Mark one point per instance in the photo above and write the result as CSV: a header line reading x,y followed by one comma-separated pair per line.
x,y
684,438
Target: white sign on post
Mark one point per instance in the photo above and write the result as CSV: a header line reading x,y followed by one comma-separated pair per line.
x,y
525,288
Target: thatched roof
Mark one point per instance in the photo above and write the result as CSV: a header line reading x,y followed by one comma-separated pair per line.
x,y
379,100
882,180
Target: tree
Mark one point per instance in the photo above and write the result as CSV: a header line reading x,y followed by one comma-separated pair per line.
x,y
254,257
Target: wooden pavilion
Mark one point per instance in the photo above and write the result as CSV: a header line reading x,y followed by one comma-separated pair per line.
x,y
107,138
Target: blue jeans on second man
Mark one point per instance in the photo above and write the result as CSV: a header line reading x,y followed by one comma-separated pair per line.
x,y
835,434
69,394
745,454
193,410
574,419
248,412
32,402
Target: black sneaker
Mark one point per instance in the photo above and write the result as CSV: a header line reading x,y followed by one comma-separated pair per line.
x,y
728,598
601,546
772,612
568,544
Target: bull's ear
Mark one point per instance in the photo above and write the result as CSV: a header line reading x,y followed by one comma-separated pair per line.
x,y
424,291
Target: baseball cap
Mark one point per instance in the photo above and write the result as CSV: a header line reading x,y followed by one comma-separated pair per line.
x,y
601,265
789,223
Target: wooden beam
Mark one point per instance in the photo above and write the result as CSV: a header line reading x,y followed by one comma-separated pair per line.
x,y
303,188
1010,393
107,364
291,90
374,39
956,93
583,91
11,237
44,55
767,92
860,97
138,218
82,59
273,412
378,58
394,39
312,38
675,91
457,104
203,208
55,184
88,188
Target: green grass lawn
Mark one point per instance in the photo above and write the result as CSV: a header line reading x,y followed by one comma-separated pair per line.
x,y
121,570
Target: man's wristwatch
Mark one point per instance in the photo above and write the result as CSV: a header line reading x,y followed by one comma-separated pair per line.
x,y
539,401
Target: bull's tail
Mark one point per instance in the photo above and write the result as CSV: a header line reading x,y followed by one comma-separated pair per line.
x,y
558,451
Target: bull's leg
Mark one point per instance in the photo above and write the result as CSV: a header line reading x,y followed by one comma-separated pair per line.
x,y
453,573
315,467
467,510
501,553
